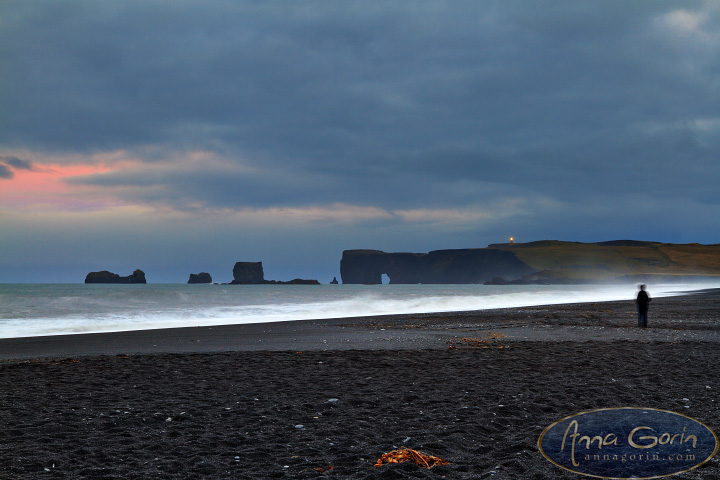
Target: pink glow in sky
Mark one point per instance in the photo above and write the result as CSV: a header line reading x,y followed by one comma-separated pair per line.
x,y
45,186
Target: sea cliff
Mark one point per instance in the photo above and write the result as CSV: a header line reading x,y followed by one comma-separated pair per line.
x,y
540,262
438,267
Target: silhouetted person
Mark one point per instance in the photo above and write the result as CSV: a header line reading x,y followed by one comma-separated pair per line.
x,y
643,301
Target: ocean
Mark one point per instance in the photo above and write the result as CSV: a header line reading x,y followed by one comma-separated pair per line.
x,y
54,309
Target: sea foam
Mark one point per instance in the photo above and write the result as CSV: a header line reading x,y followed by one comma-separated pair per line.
x,y
54,309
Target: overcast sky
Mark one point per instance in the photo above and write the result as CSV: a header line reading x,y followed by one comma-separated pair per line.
x,y
180,137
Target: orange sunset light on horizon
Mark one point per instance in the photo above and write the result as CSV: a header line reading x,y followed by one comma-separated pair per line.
x,y
45,185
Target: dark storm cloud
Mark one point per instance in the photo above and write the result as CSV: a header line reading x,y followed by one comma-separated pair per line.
x,y
16,163
5,172
8,164
393,104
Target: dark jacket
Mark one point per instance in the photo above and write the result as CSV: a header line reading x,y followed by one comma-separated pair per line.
x,y
642,300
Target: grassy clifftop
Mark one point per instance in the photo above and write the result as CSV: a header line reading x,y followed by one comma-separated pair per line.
x,y
574,260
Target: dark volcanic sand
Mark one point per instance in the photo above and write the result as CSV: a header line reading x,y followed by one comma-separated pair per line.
x,y
235,414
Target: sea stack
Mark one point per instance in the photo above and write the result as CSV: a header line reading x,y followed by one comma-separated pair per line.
x,y
251,273
248,273
202,277
138,276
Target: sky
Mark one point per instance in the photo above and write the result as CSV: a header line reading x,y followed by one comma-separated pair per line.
x,y
180,137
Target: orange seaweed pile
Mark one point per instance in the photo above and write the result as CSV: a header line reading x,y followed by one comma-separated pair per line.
x,y
410,455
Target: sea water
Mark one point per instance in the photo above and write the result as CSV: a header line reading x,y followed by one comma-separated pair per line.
x,y
54,309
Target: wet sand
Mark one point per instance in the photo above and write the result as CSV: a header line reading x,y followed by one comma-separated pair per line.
x,y
282,400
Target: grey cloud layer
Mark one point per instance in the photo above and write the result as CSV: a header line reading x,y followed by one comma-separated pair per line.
x,y
8,165
6,172
393,104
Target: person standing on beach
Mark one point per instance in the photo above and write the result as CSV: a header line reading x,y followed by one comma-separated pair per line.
x,y
643,301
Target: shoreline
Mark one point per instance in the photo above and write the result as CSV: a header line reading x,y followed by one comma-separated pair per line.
x,y
672,318
32,312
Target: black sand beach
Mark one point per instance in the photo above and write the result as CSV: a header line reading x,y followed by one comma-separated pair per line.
x,y
282,400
